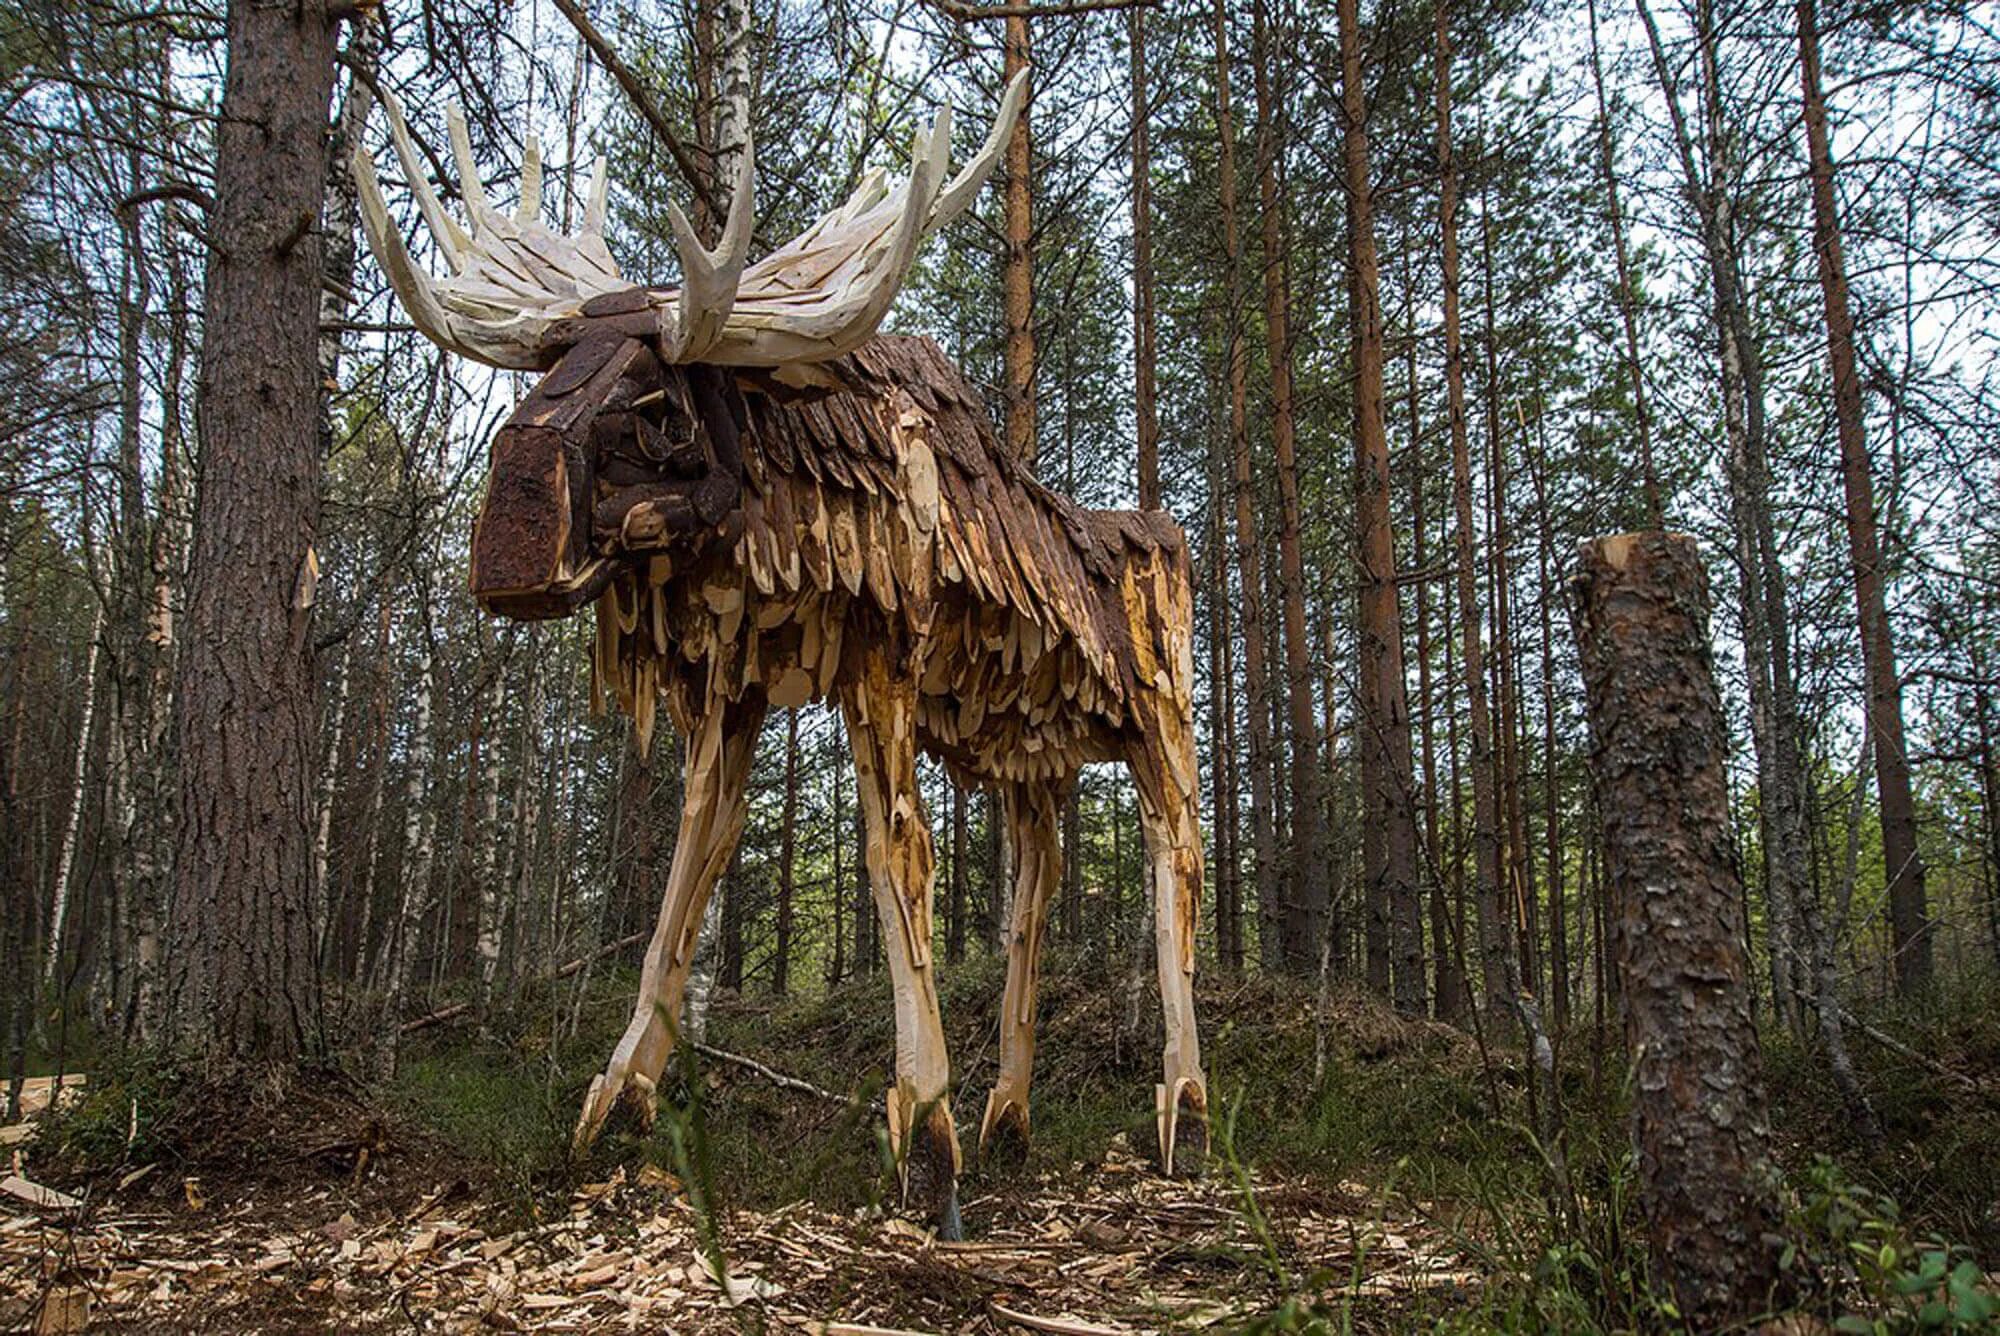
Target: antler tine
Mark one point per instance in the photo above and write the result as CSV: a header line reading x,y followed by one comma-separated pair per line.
x,y
929,156
531,181
953,200
451,239
412,284
709,279
593,211
478,211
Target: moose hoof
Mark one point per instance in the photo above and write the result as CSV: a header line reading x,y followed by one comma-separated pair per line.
x,y
609,1093
930,1175
1183,1129
1003,1133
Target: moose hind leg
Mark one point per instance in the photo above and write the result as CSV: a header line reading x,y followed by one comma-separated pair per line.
x,y
714,774
881,711
1170,815
1031,811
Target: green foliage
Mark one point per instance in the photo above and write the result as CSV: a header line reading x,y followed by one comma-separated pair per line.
x,y
1874,1271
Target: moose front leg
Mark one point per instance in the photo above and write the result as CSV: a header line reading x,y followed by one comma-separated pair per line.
x,y
1170,815
881,712
714,776
1031,811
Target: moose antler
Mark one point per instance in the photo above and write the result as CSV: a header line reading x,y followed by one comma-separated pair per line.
x,y
516,287
511,278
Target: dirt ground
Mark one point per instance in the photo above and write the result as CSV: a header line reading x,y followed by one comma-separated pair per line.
x,y
349,1235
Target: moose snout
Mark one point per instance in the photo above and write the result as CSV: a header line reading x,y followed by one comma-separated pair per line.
x,y
612,458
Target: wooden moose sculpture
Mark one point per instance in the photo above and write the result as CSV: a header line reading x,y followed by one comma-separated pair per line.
x,y
771,504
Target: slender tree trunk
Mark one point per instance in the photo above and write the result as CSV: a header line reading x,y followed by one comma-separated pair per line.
x,y
1707,1186
1495,959
1142,270
1766,620
1909,920
1307,901
1628,294
60,886
1559,1000
1249,566
954,939
488,874
788,825
403,934
1450,987
1019,280
1387,785
241,982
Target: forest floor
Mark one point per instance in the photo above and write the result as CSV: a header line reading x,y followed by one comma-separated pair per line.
x,y
1384,1196
1114,1249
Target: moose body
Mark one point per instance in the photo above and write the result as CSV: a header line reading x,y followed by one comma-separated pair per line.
x,y
757,531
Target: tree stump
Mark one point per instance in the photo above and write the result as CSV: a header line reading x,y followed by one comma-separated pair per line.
x,y
1658,746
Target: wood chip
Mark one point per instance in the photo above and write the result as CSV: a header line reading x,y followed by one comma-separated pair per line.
x,y
44,1198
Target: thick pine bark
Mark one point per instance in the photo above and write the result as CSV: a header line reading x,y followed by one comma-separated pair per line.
x,y
1495,958
1249,563
1660,753
1909,921
240,960
1306,901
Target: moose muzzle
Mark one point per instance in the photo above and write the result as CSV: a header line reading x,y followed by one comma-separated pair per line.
x,y
615,456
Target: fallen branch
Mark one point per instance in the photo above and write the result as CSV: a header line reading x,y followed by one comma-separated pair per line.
x,y
1932,1065
457,1010
774,1076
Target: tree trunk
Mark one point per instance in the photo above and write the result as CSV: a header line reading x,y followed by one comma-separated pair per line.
x,y
1019,281
1148,418
1908,915
1707,1186
1495,958
954,935
402,935
1306,903
241,982
1387,785
1450,987
1607,165
788,825
1249,566
60,887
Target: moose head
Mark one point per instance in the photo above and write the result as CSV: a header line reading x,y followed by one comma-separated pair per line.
x,y
629,444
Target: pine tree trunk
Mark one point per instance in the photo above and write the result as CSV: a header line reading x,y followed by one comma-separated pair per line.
x,y
1707,1186
241,982
1909,919
1148,417
1388,787
1019,280
1249,566
1495,958
1307,899
1450,987
1628,295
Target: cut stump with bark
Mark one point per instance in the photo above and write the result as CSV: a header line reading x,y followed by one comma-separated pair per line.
x,y
1658,752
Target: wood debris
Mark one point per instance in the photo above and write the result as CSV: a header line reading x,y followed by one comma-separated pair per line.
x,y
1097,1251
